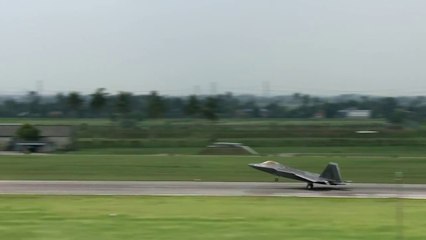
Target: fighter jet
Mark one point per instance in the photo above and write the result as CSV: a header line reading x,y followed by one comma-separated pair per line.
x,y
330,175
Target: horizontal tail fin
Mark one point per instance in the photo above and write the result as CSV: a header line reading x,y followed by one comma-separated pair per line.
x,y
332,172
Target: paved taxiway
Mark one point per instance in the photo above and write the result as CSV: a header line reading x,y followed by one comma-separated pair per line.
x,y
210,189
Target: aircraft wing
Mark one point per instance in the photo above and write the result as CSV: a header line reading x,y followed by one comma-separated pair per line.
x,y
306,176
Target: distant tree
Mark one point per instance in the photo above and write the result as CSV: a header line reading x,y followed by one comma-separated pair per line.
x,y
33,99
398,116
417,101
75,102
297,97
228,104
275,110
28,132
156,105
11,107
367,103
210,109
98,100
60,102
306,99
251,109
389,105
421,113
330,109
123,103
316,101
175,107
192,107
256,112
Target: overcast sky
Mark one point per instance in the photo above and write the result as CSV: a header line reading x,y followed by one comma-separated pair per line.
x,y
180,47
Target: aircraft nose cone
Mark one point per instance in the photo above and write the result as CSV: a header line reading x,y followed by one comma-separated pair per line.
x,y
263,168
254,165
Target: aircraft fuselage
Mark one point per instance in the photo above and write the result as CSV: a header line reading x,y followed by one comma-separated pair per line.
x,y
330,175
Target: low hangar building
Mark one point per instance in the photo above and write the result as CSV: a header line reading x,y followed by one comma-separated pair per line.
x,y
52,138
226,148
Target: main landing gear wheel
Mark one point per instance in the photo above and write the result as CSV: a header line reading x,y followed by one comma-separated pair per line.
x,y
310,186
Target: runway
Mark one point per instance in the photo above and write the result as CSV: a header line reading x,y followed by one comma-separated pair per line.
x,y
166,188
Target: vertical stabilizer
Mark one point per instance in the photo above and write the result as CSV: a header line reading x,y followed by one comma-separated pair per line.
x,y
332,172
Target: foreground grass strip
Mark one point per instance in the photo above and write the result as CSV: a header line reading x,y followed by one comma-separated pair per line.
x,y
78,217
204,168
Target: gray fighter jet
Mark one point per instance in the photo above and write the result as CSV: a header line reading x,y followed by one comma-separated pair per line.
x,y
330,175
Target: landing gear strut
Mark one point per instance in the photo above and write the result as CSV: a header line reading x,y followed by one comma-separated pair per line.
x,y
310,186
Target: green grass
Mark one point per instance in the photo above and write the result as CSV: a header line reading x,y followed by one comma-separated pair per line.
x,y
206,168
385,151
303,122
394,151
243,121
134,151
186,218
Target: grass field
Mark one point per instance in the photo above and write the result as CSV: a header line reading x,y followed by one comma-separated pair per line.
x,y
108,218
387,151
379,169
150,122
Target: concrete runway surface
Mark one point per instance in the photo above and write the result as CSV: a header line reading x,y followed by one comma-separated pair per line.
x,y
169,188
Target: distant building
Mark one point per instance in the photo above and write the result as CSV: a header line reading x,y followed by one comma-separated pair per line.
x,y
53,137
355,113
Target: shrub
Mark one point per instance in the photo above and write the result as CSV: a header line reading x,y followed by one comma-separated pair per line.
x,y
28,132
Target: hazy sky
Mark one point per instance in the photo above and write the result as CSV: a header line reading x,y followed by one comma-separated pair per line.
x,y
179,47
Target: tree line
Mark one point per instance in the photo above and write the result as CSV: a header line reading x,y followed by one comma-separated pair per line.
x,y
126,105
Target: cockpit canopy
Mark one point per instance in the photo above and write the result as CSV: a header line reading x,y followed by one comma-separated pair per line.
x,y
270,163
